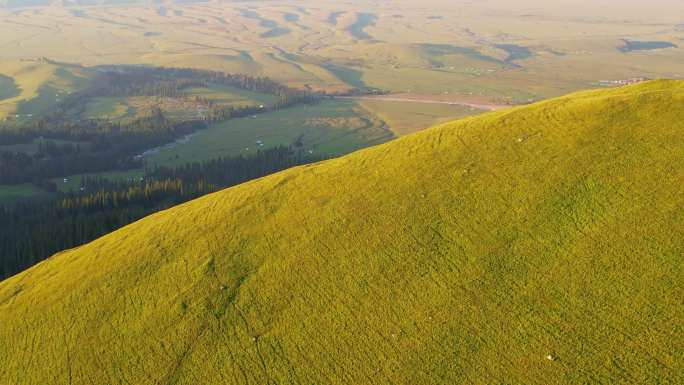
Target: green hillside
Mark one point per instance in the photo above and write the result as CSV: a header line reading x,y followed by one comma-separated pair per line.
x,y
538,245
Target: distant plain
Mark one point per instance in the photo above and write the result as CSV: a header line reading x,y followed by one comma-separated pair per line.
x,y
434,47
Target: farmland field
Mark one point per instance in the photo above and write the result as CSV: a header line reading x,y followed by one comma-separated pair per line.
x,y
109,107
128,108
329,128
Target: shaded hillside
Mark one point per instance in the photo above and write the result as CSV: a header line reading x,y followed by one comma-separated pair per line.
x,y
539,245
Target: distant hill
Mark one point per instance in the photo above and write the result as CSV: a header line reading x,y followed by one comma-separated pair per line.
x,y
65,3
537,245
31,86
81,3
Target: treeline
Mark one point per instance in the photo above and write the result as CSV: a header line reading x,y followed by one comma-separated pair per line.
x,y
100,132
105,145
170,82
18,168
32,232
173,82
100,145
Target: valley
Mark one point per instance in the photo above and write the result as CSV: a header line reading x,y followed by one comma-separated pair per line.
x,y
325,192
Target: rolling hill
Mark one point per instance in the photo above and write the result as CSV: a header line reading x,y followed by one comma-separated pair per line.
x,y
33,86
537,245
433,47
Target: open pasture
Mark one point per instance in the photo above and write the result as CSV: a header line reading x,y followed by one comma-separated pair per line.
x,y
231,95
126,108
115,108
406,117
329,128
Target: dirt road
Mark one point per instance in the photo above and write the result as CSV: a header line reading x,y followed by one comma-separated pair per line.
x,y
421,99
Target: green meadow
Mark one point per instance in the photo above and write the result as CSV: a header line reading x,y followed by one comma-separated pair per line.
x,y
332,127
127,108
536,245
539,244
115,108
231,95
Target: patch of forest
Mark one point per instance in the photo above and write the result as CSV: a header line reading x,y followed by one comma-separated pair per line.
x,y
67,144
112,145
31,232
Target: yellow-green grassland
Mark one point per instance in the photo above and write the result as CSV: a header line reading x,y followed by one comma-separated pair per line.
x,y
536,245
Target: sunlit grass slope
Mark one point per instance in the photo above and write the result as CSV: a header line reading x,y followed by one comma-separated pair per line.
x,y
32,87
538,245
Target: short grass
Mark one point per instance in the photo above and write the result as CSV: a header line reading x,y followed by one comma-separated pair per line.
x,y
404,118
538,245
427,81
127,108
328,128
115,108
231,95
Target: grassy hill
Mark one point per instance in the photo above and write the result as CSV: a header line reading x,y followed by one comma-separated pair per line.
x,y
32,87
538,245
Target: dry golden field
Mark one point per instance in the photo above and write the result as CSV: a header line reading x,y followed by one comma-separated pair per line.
x,y
457,48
